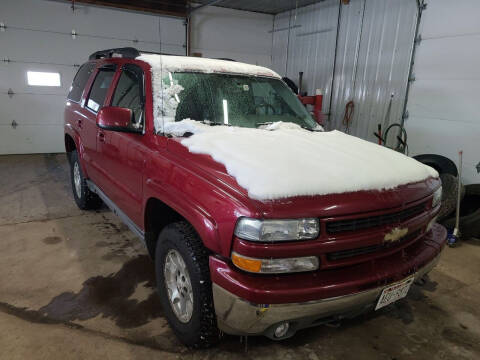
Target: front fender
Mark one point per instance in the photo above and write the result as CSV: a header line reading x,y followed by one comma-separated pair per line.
x,y
211,211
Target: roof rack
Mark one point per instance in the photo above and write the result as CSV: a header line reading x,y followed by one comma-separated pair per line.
x,y
157,53
126,52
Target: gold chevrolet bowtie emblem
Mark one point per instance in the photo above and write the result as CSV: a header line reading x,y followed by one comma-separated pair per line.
x,y
395,234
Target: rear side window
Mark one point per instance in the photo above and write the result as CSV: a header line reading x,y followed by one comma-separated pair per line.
x,y
80,81
100,88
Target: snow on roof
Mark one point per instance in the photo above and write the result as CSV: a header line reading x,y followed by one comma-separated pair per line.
x,y
188,63
313,163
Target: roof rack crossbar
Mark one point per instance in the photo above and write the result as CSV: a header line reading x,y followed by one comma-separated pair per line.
x,y
125,52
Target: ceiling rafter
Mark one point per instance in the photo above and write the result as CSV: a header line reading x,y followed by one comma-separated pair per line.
x,y
166,7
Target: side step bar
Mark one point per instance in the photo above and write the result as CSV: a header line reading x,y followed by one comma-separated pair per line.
x,y
116,210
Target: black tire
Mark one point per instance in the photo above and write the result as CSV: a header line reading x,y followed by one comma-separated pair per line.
x,y
440,163
469,221
201,330
85,199
449,195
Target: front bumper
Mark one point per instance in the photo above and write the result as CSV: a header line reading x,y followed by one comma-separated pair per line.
x,y
240,316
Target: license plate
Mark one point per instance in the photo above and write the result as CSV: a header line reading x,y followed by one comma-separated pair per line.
x,y
394,292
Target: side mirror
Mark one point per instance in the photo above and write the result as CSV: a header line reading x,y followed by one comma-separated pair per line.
x,y
115,119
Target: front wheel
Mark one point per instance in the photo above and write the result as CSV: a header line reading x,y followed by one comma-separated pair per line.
x,y
184,285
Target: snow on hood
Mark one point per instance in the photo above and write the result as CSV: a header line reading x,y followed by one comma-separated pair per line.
x,y
292,161
164,94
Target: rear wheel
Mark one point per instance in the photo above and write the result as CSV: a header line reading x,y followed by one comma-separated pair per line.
x,y
184,285
84,198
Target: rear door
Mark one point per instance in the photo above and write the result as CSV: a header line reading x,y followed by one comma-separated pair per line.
x,y
74,113
122,154
93,102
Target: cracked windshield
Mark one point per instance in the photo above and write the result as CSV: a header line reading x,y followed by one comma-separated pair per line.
x,y
232,100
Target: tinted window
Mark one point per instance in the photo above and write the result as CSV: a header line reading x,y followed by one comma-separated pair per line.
x,y
100,88
129,93
80,81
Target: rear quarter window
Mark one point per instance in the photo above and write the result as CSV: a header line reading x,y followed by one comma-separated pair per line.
x,y
80,81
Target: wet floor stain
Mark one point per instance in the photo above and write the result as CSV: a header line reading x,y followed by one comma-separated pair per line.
x,y
109,296
119,250
428,284
51,240
401,310
111,228
37,317
32,316
461,337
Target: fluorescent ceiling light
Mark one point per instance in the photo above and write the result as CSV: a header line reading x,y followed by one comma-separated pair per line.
x,y
37,78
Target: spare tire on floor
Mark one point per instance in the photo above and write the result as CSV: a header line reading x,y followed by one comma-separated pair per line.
x,y
469,213
440,163
449,195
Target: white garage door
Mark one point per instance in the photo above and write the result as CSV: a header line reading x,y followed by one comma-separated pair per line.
x,y
443,101
37,36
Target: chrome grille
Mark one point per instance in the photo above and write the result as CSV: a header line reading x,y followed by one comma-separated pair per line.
x,y
334,227
343,254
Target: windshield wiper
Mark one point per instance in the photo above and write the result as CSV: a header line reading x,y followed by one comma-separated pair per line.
x,y
270,123
264,123
310,129
213,123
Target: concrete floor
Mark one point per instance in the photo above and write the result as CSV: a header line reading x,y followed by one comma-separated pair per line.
x,y
77,284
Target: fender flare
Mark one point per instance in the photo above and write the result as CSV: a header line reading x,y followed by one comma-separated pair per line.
x,y
199,217
70,131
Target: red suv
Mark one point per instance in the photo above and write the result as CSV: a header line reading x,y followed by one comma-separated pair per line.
x,y
259,222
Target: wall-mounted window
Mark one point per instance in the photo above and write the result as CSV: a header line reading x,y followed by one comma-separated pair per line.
x,y
38,78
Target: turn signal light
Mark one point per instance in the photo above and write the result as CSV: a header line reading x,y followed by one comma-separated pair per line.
x,y
275,266
247,264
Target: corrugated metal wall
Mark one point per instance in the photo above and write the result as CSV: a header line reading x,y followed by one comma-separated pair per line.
x,y
373,54
304,40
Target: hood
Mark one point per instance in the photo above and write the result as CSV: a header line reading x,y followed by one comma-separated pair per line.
x,y
272,165
301,206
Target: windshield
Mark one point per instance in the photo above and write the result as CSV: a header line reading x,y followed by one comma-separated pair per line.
x,y
236,100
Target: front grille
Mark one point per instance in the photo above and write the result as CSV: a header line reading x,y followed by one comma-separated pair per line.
x,y
335,227
343,254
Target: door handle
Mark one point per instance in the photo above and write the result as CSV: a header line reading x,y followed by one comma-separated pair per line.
x,y
79,123
101,136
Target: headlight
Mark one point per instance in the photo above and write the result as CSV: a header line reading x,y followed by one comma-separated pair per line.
x,y
275,266
277,230
437,197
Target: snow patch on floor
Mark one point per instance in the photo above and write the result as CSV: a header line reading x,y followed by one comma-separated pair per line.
x,y
291,161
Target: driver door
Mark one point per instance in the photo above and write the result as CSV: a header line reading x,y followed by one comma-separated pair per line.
x,y
123,153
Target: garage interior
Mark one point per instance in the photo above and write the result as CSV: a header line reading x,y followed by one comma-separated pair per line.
x,y
79,284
